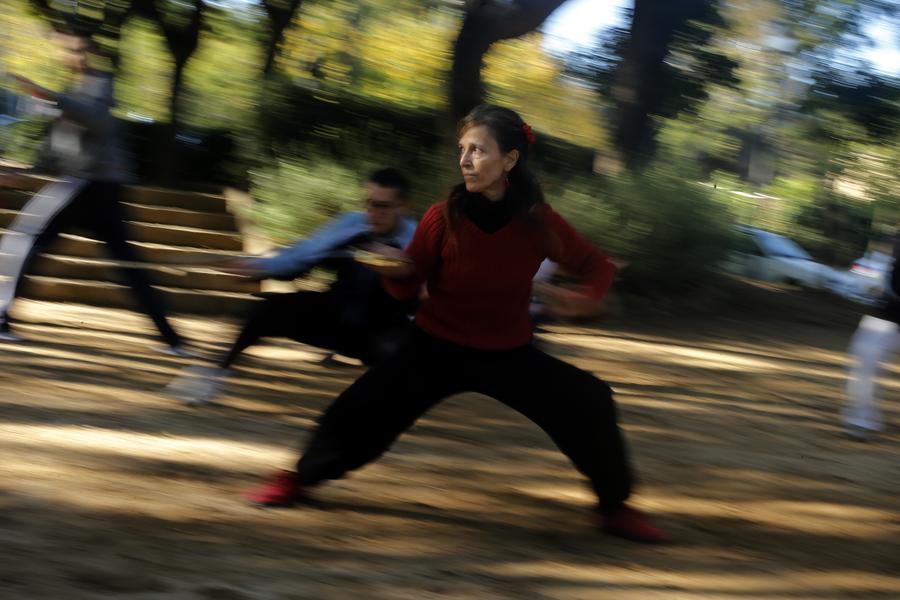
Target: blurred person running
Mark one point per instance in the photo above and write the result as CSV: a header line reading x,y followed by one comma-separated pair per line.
x,y
876,338
83,147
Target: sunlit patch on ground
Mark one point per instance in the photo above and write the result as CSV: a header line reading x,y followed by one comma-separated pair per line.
x,y
110,489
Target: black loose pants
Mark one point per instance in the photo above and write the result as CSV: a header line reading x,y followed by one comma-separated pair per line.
x,y
572,406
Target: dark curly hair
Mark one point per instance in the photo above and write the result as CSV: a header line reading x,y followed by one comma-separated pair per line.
x,y
511,133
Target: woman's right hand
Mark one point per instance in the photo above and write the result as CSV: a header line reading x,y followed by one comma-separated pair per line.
x,y
563,302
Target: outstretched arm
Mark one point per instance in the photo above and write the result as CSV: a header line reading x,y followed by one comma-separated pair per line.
x,y
578,256
306,253
92,112
423,254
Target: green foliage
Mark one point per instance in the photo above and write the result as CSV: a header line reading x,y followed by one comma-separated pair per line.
x,y
145,72
20,142
834,230
673,231
519,73
676,231
223,77
22,52
749,129
796,196
295,196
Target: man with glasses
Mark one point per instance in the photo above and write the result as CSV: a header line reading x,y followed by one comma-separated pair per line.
x,y
355,317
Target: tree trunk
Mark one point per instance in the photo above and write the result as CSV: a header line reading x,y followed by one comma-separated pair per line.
x,y
487,22
182,38
280,16
636,91
466,86
174,98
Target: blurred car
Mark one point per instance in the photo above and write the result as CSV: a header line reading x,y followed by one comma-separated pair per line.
x,y
866,279
771,257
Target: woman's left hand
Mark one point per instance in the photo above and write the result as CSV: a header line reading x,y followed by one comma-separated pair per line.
x,y
567,302
386,260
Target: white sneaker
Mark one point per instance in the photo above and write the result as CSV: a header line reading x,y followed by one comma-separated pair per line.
x,y
179,351
198,385
859,434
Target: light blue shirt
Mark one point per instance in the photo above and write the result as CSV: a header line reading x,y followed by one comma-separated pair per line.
x,y
326,242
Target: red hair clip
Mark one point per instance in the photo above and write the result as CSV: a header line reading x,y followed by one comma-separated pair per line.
x,y
529,134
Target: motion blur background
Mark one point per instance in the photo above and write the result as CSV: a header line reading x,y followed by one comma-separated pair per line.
x,y
693,139
661,124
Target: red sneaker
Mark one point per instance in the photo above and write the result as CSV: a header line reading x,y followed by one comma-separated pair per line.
x,y
632,524
281,489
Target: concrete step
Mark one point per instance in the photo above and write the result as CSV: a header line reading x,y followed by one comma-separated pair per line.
x,y
150,196
175,235
191,237
7,216
155,215
167,227
161,215
13,199
139,194
103,270
70,244
113,295
32,183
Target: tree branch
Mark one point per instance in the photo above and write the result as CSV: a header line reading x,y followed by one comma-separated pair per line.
x,y
485,23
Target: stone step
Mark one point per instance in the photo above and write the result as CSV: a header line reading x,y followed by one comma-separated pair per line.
x,y
139,194
168,227
32,183
157,215
189,237
13,199
104,270
161,215
73,245
174,235
178,300
150,196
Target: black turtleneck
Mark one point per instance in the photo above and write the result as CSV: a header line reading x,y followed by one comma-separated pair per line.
x,y
489,215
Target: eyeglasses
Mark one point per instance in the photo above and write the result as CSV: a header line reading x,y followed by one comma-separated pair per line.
x,y
380,205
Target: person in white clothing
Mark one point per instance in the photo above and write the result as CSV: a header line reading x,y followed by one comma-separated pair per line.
x,y
874,342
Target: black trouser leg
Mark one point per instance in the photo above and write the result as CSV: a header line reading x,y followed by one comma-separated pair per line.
x,y
369,415
575,409
109,222
305,317
261,323
572,406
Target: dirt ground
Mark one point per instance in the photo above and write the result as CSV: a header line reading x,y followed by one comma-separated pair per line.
x,y
109,489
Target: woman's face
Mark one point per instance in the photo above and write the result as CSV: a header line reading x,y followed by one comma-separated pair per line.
x,y
483,164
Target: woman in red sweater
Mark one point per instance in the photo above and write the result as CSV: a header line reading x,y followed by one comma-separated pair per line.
x,y
477,254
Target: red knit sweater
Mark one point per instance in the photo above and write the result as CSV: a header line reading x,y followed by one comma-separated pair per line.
x,y
479,284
